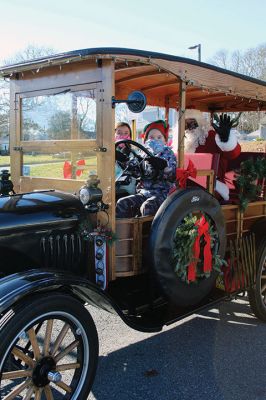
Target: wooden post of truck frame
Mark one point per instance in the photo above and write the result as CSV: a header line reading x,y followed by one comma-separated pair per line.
x,y
134,130
181,123
15,148
167,102
106,169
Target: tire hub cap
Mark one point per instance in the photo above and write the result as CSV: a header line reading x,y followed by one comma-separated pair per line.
x,y
41,370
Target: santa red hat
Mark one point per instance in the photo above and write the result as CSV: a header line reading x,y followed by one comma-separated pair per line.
x,y
161,125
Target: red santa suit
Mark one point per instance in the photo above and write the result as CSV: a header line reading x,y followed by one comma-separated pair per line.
x,y
227,150
202,140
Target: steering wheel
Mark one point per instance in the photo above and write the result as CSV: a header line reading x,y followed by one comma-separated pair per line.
x,y
138,158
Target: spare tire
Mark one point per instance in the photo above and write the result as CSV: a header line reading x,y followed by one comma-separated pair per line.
x,y
172,212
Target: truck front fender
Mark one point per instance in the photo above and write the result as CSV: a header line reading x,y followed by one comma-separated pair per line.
x,y
15,288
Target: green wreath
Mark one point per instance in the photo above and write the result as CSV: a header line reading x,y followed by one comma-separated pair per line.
x,y
183,244
250,172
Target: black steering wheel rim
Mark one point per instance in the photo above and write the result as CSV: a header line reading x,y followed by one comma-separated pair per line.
x,y
128,142
133,142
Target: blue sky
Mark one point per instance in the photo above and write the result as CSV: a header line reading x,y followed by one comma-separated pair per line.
x,y
163,26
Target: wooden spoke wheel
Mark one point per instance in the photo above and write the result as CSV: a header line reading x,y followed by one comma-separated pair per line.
x,y
257,295
48,350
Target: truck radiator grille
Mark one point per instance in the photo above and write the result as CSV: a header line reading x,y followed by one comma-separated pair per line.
x,y
62,251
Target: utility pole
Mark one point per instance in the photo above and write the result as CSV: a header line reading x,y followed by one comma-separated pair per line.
x,y
197,46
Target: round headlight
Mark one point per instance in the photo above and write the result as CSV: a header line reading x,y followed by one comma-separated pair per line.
x,y
84,195
89,195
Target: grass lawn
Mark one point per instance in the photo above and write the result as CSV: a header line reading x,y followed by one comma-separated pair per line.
x,y
29,159
48,166
55,170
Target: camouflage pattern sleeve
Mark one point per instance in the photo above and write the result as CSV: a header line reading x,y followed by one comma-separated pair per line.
x,y
169,172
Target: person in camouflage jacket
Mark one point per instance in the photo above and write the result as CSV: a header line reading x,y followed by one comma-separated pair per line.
x,y
160,173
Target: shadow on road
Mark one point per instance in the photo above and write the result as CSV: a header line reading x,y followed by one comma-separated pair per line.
x,y
217,355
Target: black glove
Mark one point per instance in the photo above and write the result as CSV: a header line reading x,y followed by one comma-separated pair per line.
x,y
157,162
121,157
224,127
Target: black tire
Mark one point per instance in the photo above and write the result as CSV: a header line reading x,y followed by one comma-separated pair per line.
x,y
169,216
33,338
257,295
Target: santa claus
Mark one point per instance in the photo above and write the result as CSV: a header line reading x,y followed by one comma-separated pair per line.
x,y
200,138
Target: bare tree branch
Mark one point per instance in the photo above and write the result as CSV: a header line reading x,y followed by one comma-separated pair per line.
x,y
30,52
251,62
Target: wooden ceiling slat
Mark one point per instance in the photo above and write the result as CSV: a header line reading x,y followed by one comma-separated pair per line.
x,y
208,97
139,76
159,85
193,89
133,67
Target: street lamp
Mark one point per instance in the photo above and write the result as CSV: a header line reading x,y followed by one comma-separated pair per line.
x,y
197,46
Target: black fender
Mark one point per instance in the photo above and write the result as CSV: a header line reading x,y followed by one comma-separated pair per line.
x,y
17,287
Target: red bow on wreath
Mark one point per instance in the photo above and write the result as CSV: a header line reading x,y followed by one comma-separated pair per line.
x,y
183,174
203,229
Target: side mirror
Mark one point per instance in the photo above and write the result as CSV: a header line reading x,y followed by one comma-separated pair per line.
x,y
136,101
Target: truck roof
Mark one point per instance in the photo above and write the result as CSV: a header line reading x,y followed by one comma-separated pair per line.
x,y
159,75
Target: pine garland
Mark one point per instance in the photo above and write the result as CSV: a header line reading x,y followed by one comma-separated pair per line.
x,y
85,228
87,232
184,240
247,180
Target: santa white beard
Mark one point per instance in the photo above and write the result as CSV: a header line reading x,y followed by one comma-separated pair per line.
x,y
194,138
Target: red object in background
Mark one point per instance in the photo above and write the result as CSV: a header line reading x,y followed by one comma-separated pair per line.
x,y
67,170
79,172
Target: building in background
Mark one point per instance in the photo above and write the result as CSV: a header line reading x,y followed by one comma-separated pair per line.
x,y
259,134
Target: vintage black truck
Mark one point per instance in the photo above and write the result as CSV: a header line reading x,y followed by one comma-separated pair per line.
x,y
61,246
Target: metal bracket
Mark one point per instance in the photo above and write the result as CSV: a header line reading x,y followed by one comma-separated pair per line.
x,y
136,101
100,149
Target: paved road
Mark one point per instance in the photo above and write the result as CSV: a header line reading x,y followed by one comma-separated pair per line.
x,y
216,355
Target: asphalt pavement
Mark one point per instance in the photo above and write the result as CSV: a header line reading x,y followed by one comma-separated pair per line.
x,y
215,355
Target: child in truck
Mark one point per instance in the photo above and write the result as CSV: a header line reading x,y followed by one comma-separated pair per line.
x,y
160,173
122,132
